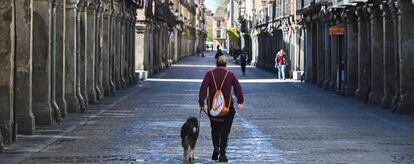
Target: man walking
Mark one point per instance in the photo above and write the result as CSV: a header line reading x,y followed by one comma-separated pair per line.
x,y
220,79
243,58
280,61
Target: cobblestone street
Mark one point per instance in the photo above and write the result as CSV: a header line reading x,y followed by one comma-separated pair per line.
x,y
284,122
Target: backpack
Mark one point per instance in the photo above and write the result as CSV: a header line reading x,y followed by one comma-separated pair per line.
x,y
243,57
218,106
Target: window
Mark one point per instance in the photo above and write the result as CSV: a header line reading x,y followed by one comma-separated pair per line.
x,y
219,23
218,33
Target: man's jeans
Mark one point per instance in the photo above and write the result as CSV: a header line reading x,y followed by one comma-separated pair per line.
x,y
281,71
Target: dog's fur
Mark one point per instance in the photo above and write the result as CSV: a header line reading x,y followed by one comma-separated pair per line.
x,y
189,135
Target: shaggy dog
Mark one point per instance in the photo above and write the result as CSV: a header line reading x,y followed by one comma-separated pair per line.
x,y
189,135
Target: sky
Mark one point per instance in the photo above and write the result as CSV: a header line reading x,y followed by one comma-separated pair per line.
x,y
211,4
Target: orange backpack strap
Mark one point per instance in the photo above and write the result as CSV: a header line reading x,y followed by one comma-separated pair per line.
x,y
222,83
214,80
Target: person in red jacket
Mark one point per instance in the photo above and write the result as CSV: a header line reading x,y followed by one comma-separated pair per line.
x,y
220,127
280,63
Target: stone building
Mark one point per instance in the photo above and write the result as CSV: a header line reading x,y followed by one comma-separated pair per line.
x,y
58,56
168,31
362,49
268,26
220,27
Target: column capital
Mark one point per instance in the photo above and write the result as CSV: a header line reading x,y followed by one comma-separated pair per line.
x,y
361,12
374,11
404,7
82,4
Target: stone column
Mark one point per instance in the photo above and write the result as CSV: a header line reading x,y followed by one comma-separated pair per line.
x,y
98,51
122,36
334,58
42,51
80,55
90,49
148,49
406,51
308,51
377,56
23,68
363,55
320,45
117,45
140,46
133,49
351,83
7,58
83,50
111,48
60,55
327,51
126,35
70,57
388,56
130,41
106,47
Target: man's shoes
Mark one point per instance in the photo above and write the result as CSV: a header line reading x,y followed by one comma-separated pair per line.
x,y
215,154
223,158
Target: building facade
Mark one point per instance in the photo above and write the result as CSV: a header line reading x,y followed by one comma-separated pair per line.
x,y
361,49
168,31
268,26
58,56
220,27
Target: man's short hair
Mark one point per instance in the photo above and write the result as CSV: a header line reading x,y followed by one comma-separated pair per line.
x,y
221,61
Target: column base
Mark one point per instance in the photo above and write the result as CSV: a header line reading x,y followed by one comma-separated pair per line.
x,y
1,142
331,85
325,84
375,97
72,104
386,101
25,124
350,90
92,95
405,105
319,83
44,118
362,94
6,130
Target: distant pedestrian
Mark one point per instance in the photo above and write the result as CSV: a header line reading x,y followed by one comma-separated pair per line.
x,y
220,108
243,58
218,54
280,64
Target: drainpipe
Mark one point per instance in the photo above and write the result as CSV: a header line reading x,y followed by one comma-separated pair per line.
x,y
122,44
98,49
82,102
111,56
55,107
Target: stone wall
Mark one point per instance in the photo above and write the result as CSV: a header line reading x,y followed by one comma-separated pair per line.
x,y
374,53
57,56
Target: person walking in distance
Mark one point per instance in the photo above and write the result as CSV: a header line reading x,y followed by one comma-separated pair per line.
x,y
220,80
280,60
243,58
